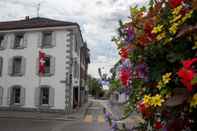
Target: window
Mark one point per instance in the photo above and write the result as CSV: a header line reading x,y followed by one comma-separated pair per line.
x,y
44,95
1,65
16,66
47,39
17,62
18,41
16,93
1,41
47,65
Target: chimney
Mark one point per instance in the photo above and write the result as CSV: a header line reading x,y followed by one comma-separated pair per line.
x,y
26,17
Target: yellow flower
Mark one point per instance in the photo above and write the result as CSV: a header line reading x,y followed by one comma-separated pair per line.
x,y
174,28
193,103
177,10
147,99
187,16
157,29
160,84
157,100
168,40
161,36
175,18
154,100
166,78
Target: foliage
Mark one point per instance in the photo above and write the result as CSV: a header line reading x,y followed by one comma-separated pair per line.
x,y
160,42
95,88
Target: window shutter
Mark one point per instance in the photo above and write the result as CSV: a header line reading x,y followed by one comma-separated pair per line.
x,y
52,66
53,39
51,96
25,40
23,66
5,42
12,40
40,39
37,96
10,64
9,95
1,66
22,97
37,66
1,95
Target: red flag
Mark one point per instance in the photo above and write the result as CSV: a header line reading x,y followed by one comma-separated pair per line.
x,y
41,62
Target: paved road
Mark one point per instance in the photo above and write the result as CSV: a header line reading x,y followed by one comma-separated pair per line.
x,y
93,121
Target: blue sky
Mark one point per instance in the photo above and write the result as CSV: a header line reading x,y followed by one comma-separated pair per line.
x,y
98,20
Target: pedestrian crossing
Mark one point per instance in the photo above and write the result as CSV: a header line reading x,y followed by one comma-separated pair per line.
x,y
89,119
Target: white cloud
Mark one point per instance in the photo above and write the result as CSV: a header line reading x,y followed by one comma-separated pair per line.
x,y
97,18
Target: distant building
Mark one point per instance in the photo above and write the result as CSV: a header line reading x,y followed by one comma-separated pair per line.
x,y
118,96
21,87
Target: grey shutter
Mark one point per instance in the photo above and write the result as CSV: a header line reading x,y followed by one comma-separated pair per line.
x,y
52,65
51,96
53,43
22,96
12,40
9,95
37,96
5,42
25,40
23,66
10,65
1,95
40,35
1,66
37,66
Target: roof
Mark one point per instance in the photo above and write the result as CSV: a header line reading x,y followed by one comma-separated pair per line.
x,y
36,22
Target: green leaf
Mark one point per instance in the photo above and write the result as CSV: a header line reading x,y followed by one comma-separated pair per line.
x,y
194,81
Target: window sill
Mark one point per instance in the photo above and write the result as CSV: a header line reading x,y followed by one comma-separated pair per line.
x,y
17,75
47,46
18,48
16,105
47,75
44,106
2,48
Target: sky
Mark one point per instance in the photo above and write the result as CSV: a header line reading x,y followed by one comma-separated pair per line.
x,y
98,20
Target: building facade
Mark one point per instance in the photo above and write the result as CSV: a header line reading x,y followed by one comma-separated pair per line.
x,y
21,86
84,61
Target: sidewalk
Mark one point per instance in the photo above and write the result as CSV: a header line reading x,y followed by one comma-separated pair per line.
x,y
46,116
117,112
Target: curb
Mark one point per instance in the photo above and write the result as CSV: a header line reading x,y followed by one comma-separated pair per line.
x,y
37,118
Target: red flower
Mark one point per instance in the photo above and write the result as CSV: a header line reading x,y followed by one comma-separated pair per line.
x,y
124,53
188,63
144,109
158,125
124,76
187,74
175,3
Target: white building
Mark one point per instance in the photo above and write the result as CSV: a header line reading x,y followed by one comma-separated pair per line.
x,y
21,88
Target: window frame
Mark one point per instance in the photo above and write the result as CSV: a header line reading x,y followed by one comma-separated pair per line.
x,y
43,45
1,66
51,67
13,68
2,41
21,46
41,95
13,96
